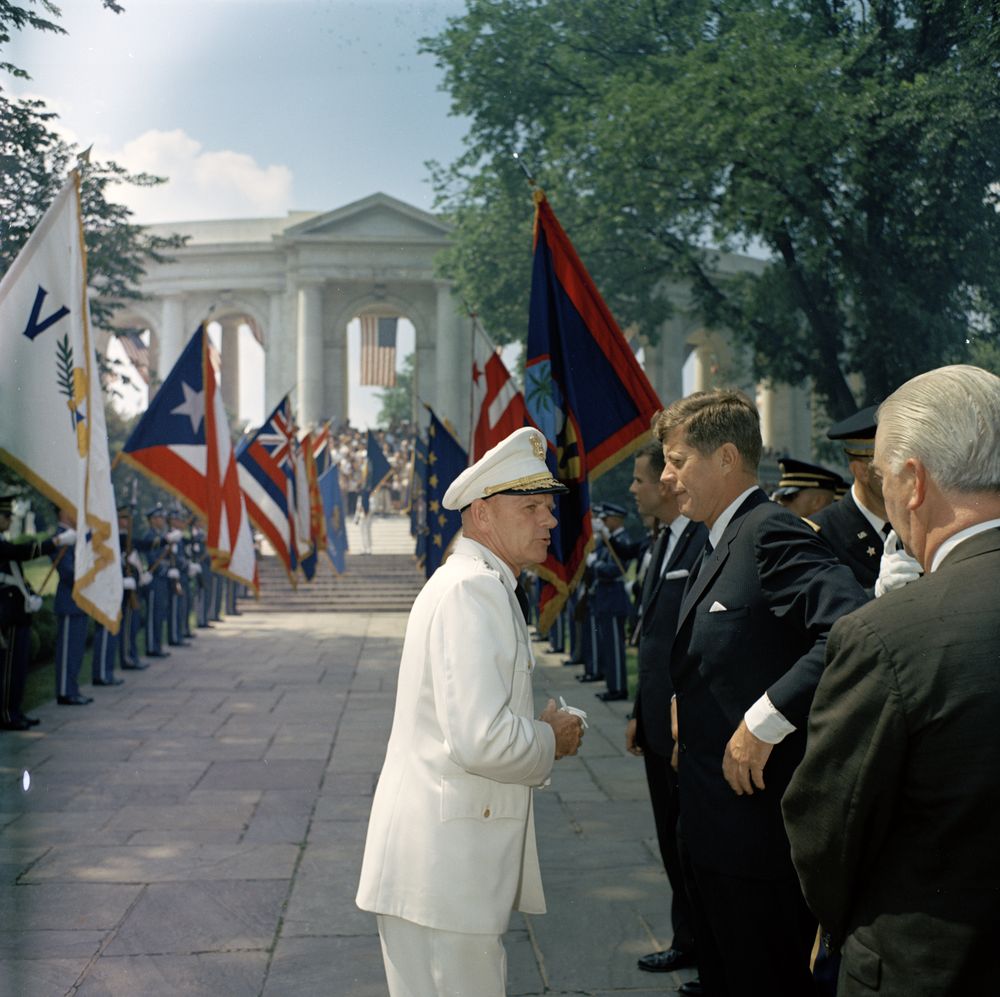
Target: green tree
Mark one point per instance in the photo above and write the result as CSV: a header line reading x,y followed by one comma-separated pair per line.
x,y
855,145
397,402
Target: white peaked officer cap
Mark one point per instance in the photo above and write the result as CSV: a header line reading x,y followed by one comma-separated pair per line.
x,y
515,466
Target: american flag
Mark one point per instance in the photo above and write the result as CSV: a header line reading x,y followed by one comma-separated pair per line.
x,y
136,351
378,351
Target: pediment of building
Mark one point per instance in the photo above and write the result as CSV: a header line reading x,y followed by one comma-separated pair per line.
x,y
377,218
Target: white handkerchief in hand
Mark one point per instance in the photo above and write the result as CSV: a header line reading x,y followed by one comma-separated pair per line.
x,y
677,573
717,607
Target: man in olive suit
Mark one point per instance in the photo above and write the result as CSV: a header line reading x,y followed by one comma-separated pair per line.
x,y
893,814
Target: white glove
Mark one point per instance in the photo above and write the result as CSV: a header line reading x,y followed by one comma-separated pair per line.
x,y
32,603
173,573
145,578
194,570
134,560
896,569
65,538
173,548
128,584
591,559
174,535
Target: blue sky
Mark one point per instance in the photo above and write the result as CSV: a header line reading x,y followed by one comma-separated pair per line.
x,y
251,107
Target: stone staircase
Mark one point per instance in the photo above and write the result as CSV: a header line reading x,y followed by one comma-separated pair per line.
x,y
386,581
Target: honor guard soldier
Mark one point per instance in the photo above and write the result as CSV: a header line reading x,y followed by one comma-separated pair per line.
x,y
156,549
201,557
105,648
806,488
71,636
855,527
610,604
177,578
134,580
17,603
189,578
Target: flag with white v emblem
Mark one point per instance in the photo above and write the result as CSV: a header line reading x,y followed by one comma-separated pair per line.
x,y
182,443
52,429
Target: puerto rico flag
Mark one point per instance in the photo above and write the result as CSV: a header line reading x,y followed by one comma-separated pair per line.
x,y
498,407
264,462
584,390
182,443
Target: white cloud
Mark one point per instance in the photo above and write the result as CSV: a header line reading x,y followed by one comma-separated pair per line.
x,y
201,183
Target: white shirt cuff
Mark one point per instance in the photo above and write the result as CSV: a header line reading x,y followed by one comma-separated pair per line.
x,y
765,722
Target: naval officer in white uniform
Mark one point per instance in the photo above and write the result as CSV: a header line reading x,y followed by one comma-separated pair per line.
x,y
451,839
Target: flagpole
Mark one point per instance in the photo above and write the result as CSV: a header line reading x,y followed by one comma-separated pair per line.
x,y
472,384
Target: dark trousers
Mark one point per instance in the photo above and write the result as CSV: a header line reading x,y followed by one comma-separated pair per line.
x,y
103,653
665,800
157,597
609,636
71,640
128,635
755,936
15,644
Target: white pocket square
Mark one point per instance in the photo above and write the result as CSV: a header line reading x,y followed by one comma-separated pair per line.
x,y
717,607
678,573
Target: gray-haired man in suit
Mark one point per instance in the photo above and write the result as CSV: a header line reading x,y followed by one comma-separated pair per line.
x,y
893,815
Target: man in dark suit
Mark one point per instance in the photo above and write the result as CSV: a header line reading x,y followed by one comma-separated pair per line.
x,y
744,663
893,814
856,525
678,543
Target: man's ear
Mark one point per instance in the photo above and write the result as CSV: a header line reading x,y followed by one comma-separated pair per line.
x,y
729,457
915,470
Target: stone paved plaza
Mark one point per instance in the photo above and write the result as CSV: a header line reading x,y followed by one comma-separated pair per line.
x,y
199,830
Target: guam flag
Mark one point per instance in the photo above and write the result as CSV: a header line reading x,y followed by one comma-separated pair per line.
x,y
585,391
446,460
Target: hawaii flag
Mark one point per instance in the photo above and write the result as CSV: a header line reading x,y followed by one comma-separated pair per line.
x,y
498,407
182,443
52,431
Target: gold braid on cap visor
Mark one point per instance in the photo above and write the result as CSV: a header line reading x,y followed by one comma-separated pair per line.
x,y
543,478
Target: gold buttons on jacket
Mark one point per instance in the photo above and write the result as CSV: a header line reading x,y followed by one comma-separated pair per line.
x,y
486,812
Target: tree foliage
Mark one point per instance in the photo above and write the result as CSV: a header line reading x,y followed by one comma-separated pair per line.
x,y
854,144
397,402
34,163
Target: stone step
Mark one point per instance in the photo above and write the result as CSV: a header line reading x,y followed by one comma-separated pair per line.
x,y
380,582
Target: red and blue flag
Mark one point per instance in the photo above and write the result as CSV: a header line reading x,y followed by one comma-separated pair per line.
x,y
584,390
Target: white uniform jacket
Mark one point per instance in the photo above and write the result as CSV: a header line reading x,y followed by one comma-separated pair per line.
x,y
451,839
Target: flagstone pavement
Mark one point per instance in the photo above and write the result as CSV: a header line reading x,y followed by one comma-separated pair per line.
x,y
199,829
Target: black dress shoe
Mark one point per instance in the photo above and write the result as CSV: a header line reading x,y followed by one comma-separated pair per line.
x,y
611,697
588,678
692,988
30,721
666,962
74,700
157,654
136,666
15,723
108,682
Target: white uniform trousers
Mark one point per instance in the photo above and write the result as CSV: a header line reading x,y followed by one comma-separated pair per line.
x,y
427,962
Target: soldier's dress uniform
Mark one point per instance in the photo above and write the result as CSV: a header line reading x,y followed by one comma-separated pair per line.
x,y
128,635
15,629
610,607
855,535
107,647
71,635
154,547
203,593
177,579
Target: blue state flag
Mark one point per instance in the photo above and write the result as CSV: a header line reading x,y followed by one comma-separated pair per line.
x,y
584,390
378,467
333,513
446,460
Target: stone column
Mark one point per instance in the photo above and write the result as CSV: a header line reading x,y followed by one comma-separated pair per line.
x,y
171,334
337,383
702,368
664,361
231,364
278,349
309,327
